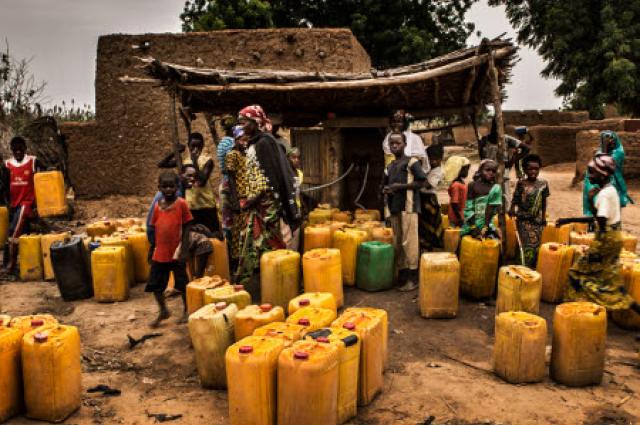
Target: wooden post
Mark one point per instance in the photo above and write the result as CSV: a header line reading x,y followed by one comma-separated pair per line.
x,y
174,129
497,106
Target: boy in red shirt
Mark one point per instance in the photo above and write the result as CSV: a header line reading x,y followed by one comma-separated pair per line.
x,y
458,194
170,220
21,194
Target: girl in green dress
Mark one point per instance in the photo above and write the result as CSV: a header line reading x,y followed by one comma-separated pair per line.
x,y
484,199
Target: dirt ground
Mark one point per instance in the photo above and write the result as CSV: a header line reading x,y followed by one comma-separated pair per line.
x,y
439,370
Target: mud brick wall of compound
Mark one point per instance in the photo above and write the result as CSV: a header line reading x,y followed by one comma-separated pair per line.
x,y
133,130
550,117
588,142
557,144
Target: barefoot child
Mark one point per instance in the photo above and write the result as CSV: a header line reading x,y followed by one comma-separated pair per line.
x,y
403,179
484,198
170,221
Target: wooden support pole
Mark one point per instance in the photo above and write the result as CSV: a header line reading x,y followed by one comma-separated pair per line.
x,y
497,106
174,130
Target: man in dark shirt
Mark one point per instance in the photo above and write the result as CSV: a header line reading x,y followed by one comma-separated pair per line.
x,y
403,179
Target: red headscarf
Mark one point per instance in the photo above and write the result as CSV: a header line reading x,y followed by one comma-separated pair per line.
x,y
257,114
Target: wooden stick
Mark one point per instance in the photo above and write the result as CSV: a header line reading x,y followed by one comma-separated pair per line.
x,y
497,106
174,128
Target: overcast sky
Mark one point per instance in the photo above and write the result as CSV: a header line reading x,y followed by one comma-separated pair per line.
x,y
60,36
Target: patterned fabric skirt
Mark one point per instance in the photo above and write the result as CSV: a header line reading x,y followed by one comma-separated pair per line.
x,y
595,276
430,223
530,233
259,233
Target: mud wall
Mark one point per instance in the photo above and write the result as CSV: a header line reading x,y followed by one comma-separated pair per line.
x,y
133,121
550,117
88,157
587,143
557,144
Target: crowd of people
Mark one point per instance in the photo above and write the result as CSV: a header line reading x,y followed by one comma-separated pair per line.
x,y
257,206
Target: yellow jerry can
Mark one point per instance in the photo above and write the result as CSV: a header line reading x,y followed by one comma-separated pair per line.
x,y
317,236
4,225
101,228
348,241
312,318
30,257
252,365
478,266
439,285
554,262
313,299
50,193
322,272
287,332
581,238
52,372
45,244
629,319
230,294
218,262
10,372
123,241
109,269
519,289
319,216
279,277
34,321
196,289
140,250
451,239
253,316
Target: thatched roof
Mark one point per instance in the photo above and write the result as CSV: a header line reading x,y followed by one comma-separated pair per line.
x,y
447,85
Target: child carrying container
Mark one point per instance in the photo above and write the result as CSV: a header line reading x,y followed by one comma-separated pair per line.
x,y
403,179
484,199
21,196
170,221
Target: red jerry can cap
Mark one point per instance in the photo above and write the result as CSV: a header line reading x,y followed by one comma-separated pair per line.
x,y
300,355
246,349
238,287
36,322
266,307
349,326
304,301
553,247
304,322
41,337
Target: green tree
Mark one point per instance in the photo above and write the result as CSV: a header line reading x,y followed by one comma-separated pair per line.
x,y
394,32
592,46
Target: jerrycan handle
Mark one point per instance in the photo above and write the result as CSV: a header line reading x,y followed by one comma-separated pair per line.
x,y
350,340
324,332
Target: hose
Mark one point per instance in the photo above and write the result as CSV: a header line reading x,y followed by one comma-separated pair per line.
x,y
322,186
364,184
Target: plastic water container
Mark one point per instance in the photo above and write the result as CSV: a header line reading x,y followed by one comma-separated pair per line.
x,y
629,242
196,289
342,216
451,239
30,258
32,322
369,215
4,225
348,344
382,234
561,234
308,384
370,329
100,228
123,241
230,294
322,272
5,319
512,243
211,331
253,316
319,216
375,266
439,285
313,299
252,365
140,251
287,332
45,245
50,193
279,277
109,269
629,319
581,238
478,266
312,318
578,349
71,269
317,236
52,374
520,347
11,372
218,262
348,241
554,262
519,289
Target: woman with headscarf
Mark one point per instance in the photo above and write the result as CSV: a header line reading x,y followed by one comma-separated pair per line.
x,y
270,193
484,199
595,276
609,144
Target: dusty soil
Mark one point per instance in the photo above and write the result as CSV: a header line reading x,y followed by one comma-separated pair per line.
x,y
439,370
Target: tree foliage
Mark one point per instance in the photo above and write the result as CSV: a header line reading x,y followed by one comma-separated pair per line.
x,y
394,32
593,47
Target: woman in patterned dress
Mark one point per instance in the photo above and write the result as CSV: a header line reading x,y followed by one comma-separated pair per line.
x,y
529,206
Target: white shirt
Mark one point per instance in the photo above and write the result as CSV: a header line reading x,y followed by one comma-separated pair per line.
x,y
608,204
434,177
415,148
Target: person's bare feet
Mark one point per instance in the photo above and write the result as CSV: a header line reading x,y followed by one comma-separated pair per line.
x,y
408,287
162,316
183,319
